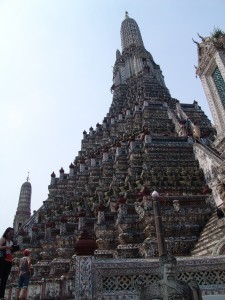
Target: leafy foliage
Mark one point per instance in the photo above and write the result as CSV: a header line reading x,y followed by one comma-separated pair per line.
x,y
217,32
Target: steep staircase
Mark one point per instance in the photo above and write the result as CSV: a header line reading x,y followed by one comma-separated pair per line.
x,y
211,235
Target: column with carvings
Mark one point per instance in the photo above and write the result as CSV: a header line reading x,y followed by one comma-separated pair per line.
x,y
84,249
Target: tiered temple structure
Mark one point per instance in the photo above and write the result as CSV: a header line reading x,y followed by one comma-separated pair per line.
x,y
95,235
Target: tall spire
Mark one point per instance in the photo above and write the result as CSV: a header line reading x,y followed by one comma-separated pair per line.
x,y
130,33
23,210
134,58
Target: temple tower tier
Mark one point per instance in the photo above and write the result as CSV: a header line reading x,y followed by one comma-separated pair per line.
x,y
211,70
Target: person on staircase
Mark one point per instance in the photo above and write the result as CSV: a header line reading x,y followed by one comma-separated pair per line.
x,y
24,275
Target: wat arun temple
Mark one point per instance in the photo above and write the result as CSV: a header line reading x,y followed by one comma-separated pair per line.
x,y
147,189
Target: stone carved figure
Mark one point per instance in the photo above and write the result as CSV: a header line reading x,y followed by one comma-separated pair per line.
x,y
196,131
173,289
149,247
176,205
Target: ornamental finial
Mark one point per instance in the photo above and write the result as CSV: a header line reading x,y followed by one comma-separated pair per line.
x,y
155,195
202,38
126,15
195,42
28,178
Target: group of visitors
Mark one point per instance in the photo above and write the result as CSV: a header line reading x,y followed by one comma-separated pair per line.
x,y
7,248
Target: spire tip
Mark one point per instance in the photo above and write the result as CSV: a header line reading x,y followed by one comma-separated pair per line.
x,y
28,178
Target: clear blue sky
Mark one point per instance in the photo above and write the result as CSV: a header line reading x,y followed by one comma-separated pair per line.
x,y
56,59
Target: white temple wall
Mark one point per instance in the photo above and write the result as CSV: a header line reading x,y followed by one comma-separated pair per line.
x,y
209,163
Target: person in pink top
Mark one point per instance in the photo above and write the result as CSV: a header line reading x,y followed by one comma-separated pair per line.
x,y
6,249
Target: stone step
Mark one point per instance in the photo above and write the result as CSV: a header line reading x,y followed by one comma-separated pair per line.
x,y
211,228
209,232
208,246
214,235
210,236
213,223
206,250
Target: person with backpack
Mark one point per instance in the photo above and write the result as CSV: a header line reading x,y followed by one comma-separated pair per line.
x,y
24,275
6,258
